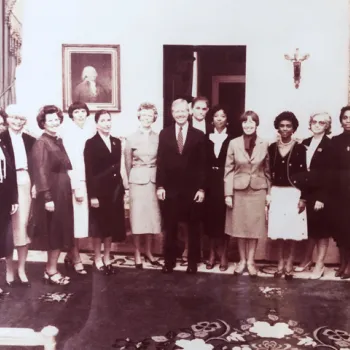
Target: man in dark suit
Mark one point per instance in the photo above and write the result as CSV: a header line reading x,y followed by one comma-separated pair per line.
x,y
180,182
200,109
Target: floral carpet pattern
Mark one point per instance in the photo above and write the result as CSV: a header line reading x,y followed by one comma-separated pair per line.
x,y
268,333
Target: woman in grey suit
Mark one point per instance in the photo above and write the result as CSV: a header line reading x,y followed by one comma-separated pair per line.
x,y
140,162
247,182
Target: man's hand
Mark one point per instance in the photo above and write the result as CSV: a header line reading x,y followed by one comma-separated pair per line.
x,y
14,208
318,206
50,206
94,202
199,197
79,195
161,194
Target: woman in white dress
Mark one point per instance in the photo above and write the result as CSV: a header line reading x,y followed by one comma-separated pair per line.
x,y
74,138
140,162
287,216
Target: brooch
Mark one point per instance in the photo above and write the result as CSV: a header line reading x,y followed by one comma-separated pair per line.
x,y
348,148
319,149
113,143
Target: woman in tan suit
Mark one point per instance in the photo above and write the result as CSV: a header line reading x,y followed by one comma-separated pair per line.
x,y
140,162
247,182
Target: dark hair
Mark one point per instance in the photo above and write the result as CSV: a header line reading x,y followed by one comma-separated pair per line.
x,y
342,112
4,115
44,111
99,113
77,105
289,116
244,117
214,110
198,99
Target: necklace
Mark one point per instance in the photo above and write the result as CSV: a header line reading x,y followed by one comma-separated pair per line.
x,y
282,144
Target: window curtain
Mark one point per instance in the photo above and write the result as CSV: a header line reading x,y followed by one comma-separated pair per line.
x,y
10,50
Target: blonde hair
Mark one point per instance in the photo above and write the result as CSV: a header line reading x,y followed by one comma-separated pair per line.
x,y
15,110
328,120
149,106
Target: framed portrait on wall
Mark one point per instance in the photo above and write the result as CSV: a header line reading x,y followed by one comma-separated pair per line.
x,y
91,74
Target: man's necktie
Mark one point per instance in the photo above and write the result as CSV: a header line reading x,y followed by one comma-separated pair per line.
x,y
180,140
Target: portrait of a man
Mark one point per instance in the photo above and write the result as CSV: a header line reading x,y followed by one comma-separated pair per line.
x,y
91,75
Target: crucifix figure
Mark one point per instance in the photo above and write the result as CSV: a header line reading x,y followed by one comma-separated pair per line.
x,y
296,59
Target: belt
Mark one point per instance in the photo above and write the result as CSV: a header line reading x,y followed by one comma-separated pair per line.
x,y
144,166
21,169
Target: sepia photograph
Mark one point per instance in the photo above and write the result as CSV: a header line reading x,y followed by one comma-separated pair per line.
x,y
91,75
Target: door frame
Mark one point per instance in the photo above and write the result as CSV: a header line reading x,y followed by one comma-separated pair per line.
x,y
216,80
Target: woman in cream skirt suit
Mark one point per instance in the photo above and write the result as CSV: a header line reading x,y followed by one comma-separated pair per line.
x,y
140,162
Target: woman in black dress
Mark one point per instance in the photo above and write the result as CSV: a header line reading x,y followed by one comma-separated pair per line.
x,y
318,161
340,192
53,208
215,208
8,203
105,188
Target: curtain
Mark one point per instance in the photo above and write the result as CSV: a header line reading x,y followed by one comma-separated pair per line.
x,y
10,50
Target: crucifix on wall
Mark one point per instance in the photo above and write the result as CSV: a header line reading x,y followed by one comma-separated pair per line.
x,y
296,59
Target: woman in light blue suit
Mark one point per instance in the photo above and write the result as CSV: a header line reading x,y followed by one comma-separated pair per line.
x,y
246,183
140,162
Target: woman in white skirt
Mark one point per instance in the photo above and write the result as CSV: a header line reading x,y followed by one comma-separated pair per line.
x,y
74,137
140,162
19,146
287,215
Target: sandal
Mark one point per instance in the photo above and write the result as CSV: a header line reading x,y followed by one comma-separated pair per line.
x,y
240,268
78,266
56,279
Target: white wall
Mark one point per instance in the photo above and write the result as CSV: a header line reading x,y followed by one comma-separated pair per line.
x,y
269,28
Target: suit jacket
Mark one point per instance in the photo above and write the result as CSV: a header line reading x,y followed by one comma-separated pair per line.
x,y
319,172
209,128
103,167
28,145
181,174
242,170
140,156
297,171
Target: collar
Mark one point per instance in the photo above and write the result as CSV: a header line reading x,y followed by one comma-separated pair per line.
x,y
184,126
14,135
103,137
145,131
220,133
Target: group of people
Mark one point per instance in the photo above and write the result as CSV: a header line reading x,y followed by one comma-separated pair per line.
x,y
67,186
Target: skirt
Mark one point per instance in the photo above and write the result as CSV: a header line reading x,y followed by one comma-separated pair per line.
x,y
247,219
21,217
81,214
284,221
144,209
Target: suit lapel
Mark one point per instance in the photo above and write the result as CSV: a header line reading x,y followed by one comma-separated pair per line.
x,y
102,143
8,144
256,149
189,139
241,147
173,138
317,152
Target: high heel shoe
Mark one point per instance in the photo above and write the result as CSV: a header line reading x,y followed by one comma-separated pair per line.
x,y
103,270
303,268
22,283
345,276
11,284
278,273
152,262
319,275
210,265
239,269
223,267
56,279
253,273
288,275
78,266
139,266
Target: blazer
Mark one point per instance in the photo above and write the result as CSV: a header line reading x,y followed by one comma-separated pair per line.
x,y
319,172
296,166
181,174
28,145
209,128
140,155
242,170
102,167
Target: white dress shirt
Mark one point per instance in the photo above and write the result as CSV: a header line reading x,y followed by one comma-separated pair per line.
x,y
311,151
107,141
199,125
19,150
218,139
184,131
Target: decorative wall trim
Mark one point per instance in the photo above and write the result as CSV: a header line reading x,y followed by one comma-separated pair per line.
x,y
15,30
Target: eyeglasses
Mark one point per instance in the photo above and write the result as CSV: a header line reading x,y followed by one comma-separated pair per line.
x,y
321,122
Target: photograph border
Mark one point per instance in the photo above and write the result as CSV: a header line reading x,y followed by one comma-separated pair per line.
x,y
114,50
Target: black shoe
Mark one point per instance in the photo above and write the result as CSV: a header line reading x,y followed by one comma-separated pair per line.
x,y
209,265
111,269
154,262
192,269
139,266
167,269
288,276
11,284
103,270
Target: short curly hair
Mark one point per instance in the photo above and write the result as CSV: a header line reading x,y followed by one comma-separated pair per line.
x,y
4,115
77,105
44,111
149,106
99,113
288,116
328,120
255,118
214,110
342,112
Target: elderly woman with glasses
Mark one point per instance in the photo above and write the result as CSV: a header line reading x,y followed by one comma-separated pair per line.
x,y
19,146
317,161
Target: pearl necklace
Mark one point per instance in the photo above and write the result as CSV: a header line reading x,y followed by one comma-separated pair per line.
x,y
282,144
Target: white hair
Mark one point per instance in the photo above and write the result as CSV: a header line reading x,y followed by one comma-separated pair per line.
x,y
15,110
86,70
179,101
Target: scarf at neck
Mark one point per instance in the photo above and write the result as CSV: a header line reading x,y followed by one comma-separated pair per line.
x,y
249,143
